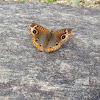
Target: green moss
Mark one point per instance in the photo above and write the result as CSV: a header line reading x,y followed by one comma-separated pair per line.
x,y
61,3
69,2
88,3
21,0
94,3
49,0
77,1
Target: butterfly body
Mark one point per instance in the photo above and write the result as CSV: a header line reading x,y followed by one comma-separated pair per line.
x,y
47,41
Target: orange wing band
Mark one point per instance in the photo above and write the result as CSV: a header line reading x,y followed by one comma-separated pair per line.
x,y
37,45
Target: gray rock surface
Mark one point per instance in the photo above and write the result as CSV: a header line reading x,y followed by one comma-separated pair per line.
x,y
70,73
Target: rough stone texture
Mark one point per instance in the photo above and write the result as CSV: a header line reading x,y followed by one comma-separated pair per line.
x,y
70,73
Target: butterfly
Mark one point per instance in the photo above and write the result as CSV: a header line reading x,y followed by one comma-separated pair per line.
x,y
45,40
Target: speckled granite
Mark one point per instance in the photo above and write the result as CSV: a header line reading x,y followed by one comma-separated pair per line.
x,y
70,73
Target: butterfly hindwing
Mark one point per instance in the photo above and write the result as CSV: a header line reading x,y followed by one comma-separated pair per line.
x,y
57,39
39,35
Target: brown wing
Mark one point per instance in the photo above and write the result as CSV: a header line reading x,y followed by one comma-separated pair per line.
x,y
39,35
58,38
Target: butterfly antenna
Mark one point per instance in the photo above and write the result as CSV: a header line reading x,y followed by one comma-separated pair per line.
x,y
28,26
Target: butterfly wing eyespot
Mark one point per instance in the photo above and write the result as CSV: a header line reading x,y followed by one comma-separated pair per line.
x,y
50,46
66,34
36,40
40,45
63,37
34,31
56,43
